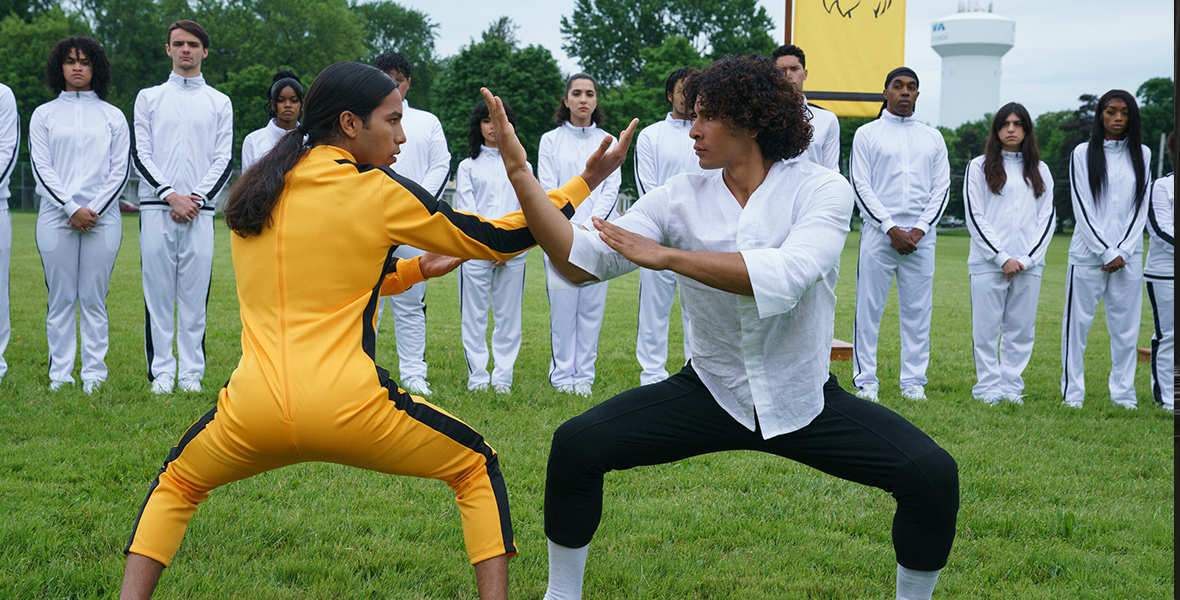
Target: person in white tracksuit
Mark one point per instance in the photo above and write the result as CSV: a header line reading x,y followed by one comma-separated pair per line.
x,y
824,147
426,160
901,176
9,142
662,150
482,187
182,147
1008,198
575,312
1109,181
284,101
79,148
1159,272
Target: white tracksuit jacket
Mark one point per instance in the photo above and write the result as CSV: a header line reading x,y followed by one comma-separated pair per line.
x,y
901,176
662,150
1105,228
424,159
1014,224
9,143
482,187
1159,272
575,312
182,142
259,142
824,149
80,149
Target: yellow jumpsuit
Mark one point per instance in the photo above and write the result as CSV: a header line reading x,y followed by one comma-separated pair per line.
x,y
306,387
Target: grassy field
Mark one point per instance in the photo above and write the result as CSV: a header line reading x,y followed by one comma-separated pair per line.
x,y
1056,503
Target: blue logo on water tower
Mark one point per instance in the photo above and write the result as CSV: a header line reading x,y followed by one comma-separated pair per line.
x,y
939,27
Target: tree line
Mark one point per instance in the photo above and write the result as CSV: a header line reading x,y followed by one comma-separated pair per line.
x,y
629,46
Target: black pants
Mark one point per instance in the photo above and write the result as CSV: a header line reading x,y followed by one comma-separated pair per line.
x,y
677,418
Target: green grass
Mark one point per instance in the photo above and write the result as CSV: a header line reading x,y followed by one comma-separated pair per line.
x,y
1056,503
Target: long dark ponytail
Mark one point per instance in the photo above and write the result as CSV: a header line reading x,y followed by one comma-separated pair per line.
x,y
993,162
344,86
1096,155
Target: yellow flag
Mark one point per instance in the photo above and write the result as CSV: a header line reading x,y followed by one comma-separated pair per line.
x,y
851,45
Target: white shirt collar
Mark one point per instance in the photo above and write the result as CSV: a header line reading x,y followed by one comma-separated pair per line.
x,y
186,82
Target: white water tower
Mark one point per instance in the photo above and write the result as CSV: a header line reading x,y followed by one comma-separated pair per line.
x,y
971,44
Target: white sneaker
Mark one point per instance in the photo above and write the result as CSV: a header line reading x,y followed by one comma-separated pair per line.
x,y
1015,398
91,386
57,385
565,389
583,389
479,387
1077,405
868,392
163,385
189,383
502,388
1128,406
991,399
1168,408
417,386
914,392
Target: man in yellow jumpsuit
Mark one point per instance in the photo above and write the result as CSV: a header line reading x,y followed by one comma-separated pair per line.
x,y
312,254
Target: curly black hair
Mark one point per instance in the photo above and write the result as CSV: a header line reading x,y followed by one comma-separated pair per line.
x,y
100,67
752,93
393,60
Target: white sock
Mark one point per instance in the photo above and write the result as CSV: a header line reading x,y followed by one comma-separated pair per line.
x,y
566,568
915,585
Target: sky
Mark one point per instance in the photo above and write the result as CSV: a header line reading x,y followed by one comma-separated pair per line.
x,y
1063,49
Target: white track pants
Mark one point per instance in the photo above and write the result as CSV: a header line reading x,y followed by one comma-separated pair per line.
x,y
575,318
1162,293
409,323
78,275
878,263
480,284
1122,291
5,259
177,262
657,291
1003,329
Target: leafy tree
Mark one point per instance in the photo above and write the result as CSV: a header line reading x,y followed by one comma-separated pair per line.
x,y
390,26
528,78
25,9
503,29
1157,108
134,35
643,97
609,35
24,48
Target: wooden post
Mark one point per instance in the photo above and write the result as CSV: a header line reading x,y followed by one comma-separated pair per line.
x,y
787,21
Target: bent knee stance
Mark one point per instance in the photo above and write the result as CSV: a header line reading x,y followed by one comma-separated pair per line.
x,y
578,459
927,494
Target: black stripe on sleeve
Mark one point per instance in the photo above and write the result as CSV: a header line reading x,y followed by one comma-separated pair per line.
x,y
504,241
1045,235
938,215
864,209
1154,221
7,171
229,168
1073,180
143,172
173,454
438,193
118,191
1131,225
41,179
971,213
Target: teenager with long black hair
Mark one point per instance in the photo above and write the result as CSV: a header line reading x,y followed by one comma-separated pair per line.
x,y
1008,197
1159,272
482,188
79,146
315,226
284,102
756,246
1109,181
575,313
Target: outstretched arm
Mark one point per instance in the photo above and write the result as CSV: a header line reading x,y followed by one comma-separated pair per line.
x,y
549,226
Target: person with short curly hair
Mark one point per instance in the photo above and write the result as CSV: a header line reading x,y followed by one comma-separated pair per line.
x,y
902,178
756,247
79,147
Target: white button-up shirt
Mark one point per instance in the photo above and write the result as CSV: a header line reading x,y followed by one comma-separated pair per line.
x,y
763,358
